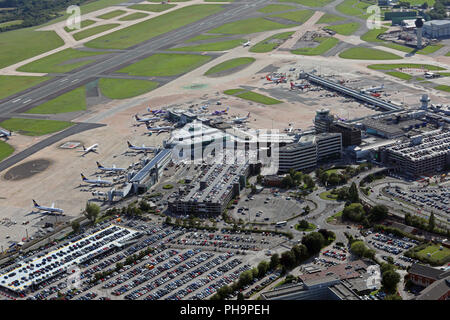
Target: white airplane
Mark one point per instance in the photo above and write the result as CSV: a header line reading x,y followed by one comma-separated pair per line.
x,y
92,148
298,86
143,148
246,44
96,182
159,129
240,120
113,169
5,133
146,120
373,89
156,111
49,210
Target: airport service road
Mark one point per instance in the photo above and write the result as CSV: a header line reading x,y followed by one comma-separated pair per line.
x,y
50,89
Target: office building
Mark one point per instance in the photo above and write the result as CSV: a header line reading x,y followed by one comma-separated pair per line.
x,y
351,136
436,29
323,120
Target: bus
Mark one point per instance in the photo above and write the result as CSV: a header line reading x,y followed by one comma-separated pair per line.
x,y
280,224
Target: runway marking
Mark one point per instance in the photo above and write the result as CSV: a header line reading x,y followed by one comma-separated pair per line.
x,y
14,101
75,80
27,101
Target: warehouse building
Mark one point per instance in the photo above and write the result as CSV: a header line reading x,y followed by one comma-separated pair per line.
x,y
437,29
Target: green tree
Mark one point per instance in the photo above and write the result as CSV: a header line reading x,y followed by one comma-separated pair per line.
x,y
309,182
431,222
300,253
263,267
303,224
91,211
354,212
245,278
306,210
353,195
314,241
274,261
378,213
287,260
223,292
168,220
240,296
75,226
389,280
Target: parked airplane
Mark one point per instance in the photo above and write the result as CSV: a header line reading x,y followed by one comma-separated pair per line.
x,y
299,85
159,129
146,120
113,169
276,79
156,111
92,148
49,210
219,112
143,148
5,133
246,44
373,89
240,120
96,182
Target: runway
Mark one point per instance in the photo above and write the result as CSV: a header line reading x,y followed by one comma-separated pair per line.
x,y
52,88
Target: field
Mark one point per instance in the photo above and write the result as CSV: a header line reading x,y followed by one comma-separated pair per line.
x,y
203,37
352,8
125,88
430,49
10,23
328,18
229,64
10,85
311,227
56,63
335,216
252,96
213,46
403,65
361,53
436,254
143,31
266,45
32,127
83,24
165,64
309,3
112,14
152,7
447,54
248,26
345,29
371,35
275,7
400,75
71,101
5,150
443,87
94,30
298,16
326,43
134,16
327,195
18,45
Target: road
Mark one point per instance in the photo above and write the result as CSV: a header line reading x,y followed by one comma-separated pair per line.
x,y
53,88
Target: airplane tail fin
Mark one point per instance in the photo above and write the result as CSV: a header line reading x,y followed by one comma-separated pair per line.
x,y
267,77
137,117
248,115
99,165
129,144
228,108
83,177
35,203
292,85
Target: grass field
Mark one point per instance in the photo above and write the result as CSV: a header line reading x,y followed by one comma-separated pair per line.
x,y
447,54
275,7
229,64
112,14
18,45
430,49
33,127
248,26
360,53
125,88
56,63
212,46
71,101
345,29
335,216
203,37
134,16
371,35
145,30
327,195
300,16
443,87
252,96
268,45
10,85
403,65
94,30
436,254
10,23
5,150
309,3
352,8
400,75
83,24
326,43
152,7
329,18
165,64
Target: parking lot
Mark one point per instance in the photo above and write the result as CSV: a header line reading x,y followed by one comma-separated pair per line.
x,y
267,207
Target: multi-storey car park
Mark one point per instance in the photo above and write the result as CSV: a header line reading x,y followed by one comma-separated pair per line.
x,y
421,154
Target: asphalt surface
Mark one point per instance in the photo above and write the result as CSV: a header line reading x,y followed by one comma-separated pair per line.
x,y
77,128
53,88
